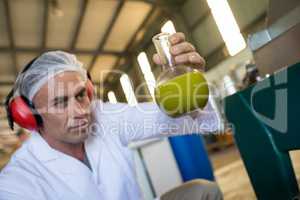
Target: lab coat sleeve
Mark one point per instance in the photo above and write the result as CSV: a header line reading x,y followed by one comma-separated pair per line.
x,y
17,182
147,121
12,188
11,196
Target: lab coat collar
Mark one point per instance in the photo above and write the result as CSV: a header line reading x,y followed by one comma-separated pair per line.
x,y
41,149
71,171
55,159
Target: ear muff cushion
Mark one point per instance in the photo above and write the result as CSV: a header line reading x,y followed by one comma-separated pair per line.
x,y
22,114
90,89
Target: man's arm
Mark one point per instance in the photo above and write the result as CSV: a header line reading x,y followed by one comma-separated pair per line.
x,y
146,121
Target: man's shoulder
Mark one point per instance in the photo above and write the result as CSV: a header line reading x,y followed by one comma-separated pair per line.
x,y
18,178
15,179
17,164
14,167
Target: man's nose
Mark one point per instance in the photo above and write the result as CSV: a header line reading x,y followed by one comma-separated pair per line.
x,y
78,109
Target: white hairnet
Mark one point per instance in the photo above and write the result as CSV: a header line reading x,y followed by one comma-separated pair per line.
x,y
45,67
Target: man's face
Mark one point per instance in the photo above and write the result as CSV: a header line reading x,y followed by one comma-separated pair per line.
x,y
65,108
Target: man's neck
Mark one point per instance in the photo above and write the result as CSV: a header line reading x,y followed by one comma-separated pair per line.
x,y
75,150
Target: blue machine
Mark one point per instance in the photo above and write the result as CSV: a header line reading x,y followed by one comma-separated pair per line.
x,y
191,157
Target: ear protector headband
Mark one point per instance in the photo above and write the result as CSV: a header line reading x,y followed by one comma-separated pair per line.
x,y
22,111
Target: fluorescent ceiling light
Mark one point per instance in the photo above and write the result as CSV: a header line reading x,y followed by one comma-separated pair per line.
x,y
168,27
147,72
128,90
112,97
229,85
227,26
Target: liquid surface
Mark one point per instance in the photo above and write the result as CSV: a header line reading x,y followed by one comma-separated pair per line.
x,y
182,94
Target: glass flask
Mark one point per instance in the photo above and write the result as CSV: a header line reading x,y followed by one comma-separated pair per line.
x,y
180,90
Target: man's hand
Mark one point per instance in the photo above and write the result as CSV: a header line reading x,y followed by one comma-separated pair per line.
x,y
183,52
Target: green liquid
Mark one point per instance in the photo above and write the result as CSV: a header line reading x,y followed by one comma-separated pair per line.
x,y
182,94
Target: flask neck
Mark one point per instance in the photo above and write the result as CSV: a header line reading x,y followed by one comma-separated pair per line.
x,y
163,46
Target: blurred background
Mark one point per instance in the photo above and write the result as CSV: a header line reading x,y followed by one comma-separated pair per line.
x,y
113,38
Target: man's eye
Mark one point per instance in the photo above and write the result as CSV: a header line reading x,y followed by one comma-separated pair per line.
x,y
81,95
61,104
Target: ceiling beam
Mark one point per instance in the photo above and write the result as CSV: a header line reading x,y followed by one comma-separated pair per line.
x,y
189,31
83,7
155,28
258,20
107,32
131,43
75,51
45,24
6,83
144,44
10,34
10,83
3,118
163,3
141,26
134,36
221,52
200,20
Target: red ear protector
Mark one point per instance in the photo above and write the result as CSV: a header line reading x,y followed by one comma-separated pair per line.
x,y
22,111
89,86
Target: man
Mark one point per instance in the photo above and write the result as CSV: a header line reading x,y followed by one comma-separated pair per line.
x,y
80,150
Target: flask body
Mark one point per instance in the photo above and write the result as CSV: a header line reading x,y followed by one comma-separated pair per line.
x,y
180,90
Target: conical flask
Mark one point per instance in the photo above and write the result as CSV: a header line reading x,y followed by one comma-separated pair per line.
x,y
180,90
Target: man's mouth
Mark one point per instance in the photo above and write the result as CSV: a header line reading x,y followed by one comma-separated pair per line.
x,y
81,125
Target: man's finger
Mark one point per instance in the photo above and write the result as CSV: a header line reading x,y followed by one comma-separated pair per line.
x,y
183,47
177,38
156,59
192,58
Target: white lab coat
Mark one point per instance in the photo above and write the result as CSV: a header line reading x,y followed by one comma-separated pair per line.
x,y
38,172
